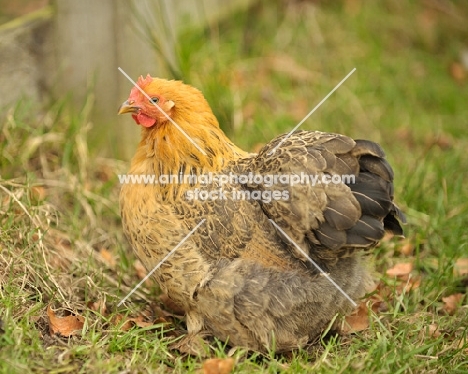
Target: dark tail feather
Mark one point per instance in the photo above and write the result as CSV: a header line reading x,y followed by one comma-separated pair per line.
x,y
392,221
373,187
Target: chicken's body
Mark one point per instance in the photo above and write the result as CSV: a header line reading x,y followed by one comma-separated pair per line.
x,y
237,276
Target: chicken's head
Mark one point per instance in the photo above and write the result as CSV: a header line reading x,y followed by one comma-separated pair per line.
x,y
179,127
162,100
150,109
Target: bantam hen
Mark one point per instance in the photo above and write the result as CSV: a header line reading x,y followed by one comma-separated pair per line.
x,y
267,272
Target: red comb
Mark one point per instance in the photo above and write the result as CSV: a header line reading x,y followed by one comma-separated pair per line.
x,y
142,82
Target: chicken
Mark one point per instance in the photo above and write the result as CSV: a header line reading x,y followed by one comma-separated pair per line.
x,y
267,272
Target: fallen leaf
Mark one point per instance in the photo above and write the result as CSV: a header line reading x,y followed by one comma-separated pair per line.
x,y
140,323
357,321
406,136
414,282
452,302
36,237
433,330
98,306
108,257
458,72
426,22
6,201
161,320
63,255
130,322
158,312
407,249
461,343
105,173
140,269
218,366
171,305
38,193
142,273
378,306
400,270
443,141
388,236
297,108
461,267
407,283
65,326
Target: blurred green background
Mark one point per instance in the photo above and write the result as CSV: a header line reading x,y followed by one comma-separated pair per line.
x,y
262,66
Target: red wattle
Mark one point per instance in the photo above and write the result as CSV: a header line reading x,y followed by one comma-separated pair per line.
x,y
143,119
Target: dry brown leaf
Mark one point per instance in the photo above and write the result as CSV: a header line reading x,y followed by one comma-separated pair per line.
x,y
117,319
433,330
427,26
108,257
6,201
127,325
405,136
38,193
36,237
297,108
63,255
387,237
161,320
140,269
443,141
408,283
407,249
105,173
139,323
461,343
171,305
218,366
402,284
377,305
130,322
458,72
358,320
461,267
98,306
142,272
452,302
159,312
400,270
65,326
414,282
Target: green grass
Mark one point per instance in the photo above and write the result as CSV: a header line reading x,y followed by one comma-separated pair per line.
x,y
262,71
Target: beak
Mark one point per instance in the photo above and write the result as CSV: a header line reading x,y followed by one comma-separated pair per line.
x,y
127,107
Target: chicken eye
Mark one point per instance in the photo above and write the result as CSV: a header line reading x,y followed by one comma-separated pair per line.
x,y
154,100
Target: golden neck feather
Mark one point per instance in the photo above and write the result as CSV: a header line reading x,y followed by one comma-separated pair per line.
x,y
165,150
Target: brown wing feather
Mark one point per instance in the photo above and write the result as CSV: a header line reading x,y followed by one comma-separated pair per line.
x,y
329,220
